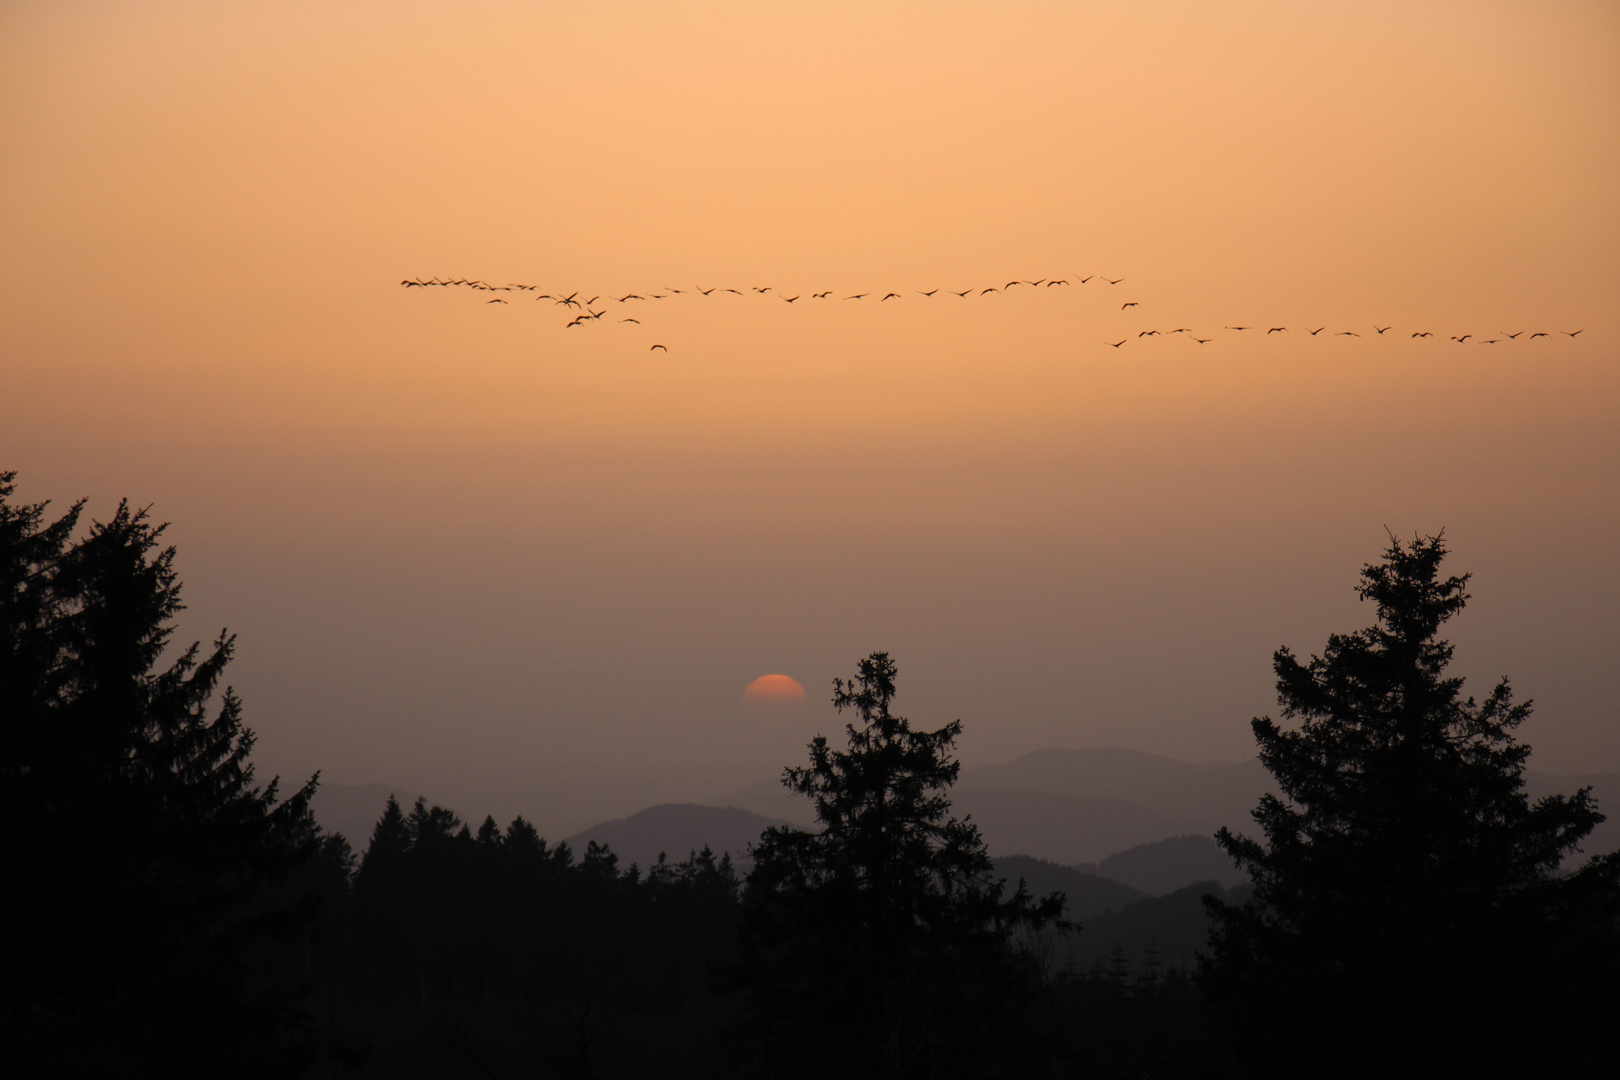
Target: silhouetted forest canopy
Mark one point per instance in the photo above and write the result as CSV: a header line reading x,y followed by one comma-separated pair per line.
x,y
1411,909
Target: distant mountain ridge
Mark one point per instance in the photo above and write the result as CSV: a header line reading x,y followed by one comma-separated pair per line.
x,y
1092,808
676,830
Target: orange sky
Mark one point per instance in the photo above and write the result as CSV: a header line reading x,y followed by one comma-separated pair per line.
x,y
526,567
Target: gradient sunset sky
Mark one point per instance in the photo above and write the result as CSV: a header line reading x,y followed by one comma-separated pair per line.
x,y
530,568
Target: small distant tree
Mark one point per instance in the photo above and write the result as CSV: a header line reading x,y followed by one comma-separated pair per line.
x,y
1409,912
138,846
883,945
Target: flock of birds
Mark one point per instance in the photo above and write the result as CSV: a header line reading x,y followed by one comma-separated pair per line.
x,y
583,312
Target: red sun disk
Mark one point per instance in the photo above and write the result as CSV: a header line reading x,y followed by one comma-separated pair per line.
x,y
774,688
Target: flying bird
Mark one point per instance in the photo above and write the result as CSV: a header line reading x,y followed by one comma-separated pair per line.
x,y
1010,284
667,289
1509,336
1542,333
964,292
705,292
1347,333
1056,281
1318,330
658,347
1115,344
636,321
1574,333
857,296
1182,330
1087,278
1423,333
1381,329
497,300
821,295
1460,340
991,290
1491,341
1133,303
766,289
890,296
1278,330
1035,284
1237,328
930,292
1113,281
1148,333
733,292
789,299
1202,340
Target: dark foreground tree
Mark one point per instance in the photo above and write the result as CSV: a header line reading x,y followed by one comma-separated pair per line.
x,y
137,845
883,945
1409,915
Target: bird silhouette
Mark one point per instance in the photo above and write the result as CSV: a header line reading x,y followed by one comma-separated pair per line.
x,y
1460,340
1278,330
1010,284
1318,330
1182,330
636,321
964,292
667,289
1035,284
1574,333
1148,333
890,296
497,300
1113,281
592,300
1540,333
821,295
1237,328
1087,278
930,292
990,290
665,348
629,296
1115,344
733,292
1133,303
1490,341
1056,281
1509,336
789,299
1381,329
766,289
857,296
1202,340
1347,333
705,292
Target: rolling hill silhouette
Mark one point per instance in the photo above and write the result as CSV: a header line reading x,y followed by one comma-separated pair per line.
x,y
676,830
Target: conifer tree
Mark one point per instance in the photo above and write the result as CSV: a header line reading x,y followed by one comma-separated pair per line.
x,y
1408,912
882,944
130,808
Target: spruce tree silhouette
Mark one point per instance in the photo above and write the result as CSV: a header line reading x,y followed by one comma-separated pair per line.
x,y
883,945
132,816
1408,913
